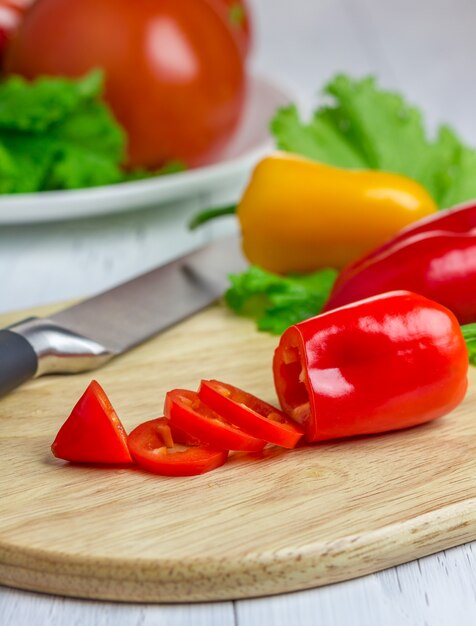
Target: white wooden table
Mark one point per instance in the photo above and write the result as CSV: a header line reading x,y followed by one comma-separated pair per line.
x,y
428,50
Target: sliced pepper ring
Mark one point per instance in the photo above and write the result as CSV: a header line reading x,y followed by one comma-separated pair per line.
x,y
256,417
188,412
153,448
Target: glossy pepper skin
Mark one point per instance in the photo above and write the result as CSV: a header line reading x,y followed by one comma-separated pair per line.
x,y
430,259
297,215
459,219
384,363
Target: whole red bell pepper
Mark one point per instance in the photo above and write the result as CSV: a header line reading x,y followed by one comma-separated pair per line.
x,y
460,219
436,257
384,363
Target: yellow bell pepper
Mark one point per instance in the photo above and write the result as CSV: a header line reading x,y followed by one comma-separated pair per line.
x,y
297,215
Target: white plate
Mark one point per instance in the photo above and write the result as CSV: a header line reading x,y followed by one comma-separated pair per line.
x,y
250,143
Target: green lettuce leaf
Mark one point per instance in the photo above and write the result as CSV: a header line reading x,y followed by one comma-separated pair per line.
x,y
56,133
469,334
363,126
35,107
277,302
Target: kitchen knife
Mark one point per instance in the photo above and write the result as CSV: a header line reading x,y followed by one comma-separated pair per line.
x,y
87,335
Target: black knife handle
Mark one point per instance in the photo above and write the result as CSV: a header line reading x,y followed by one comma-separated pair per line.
x,y
18,361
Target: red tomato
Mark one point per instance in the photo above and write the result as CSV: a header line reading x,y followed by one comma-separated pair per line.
x,y
153,448
93,433
186,411
11,13
237,15
253,415
174,73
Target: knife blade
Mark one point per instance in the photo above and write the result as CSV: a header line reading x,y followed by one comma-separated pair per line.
x,y
90,333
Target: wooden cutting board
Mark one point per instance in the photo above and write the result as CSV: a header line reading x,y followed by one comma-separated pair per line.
x,y
262,524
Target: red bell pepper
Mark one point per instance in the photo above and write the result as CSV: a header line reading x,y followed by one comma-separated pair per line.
x,y
435,257
384,363
460,219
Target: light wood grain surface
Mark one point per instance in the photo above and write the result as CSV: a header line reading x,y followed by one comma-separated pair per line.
x,y
263,524
426,49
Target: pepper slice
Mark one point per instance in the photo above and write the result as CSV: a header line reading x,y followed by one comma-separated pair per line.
x,y
153,448
186,411
93,433
384,363
256,417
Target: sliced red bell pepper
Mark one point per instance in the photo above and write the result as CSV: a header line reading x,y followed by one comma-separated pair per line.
x,y
188,413
93,433
154,448
254,416
387,362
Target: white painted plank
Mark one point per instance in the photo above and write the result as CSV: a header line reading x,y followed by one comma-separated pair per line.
x,y
360,602
439,590
19,608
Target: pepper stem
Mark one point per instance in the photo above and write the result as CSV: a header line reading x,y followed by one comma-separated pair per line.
x,y
469,334
210,214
